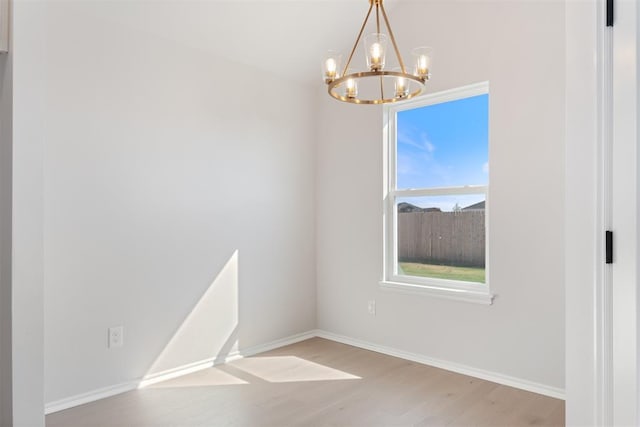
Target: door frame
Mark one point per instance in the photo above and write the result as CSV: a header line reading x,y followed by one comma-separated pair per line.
x,y
602,193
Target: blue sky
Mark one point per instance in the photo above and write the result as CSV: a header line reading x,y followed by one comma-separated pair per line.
x,y
444,145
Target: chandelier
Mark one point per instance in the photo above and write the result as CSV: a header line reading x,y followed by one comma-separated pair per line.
x,y
376,85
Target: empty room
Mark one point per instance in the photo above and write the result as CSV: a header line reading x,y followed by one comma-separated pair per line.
x,y
319,212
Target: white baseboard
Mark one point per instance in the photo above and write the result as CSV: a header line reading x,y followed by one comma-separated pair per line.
x,y
179,371
147,380
276,344
81,399
507,380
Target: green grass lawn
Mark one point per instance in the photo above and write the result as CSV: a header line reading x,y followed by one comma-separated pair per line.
x,y
468,274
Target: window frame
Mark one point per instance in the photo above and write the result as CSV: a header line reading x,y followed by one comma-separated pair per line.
x,y
452,289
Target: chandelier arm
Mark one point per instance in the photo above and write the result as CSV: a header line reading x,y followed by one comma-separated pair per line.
x,y
346,67
393,39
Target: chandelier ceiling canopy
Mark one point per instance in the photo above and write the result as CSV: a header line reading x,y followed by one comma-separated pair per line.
x,y
376,84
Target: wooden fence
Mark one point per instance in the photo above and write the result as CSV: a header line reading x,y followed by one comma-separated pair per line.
x,y
448,238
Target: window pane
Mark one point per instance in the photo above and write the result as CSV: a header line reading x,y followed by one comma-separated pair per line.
x,y
444,145
442,237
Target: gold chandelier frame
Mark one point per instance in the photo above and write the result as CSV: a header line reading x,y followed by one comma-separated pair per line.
x,y
382,74
334,84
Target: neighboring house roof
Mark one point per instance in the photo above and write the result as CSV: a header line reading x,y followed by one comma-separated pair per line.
x,y
408,207
475,207
404,207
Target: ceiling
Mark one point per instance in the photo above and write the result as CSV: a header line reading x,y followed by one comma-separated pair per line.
x,y
288,38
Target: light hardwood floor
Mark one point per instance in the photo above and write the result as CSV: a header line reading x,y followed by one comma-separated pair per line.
x,y
319,383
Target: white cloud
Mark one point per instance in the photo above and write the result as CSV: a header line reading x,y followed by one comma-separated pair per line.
x,y
421,166
430,147
421,142
485,167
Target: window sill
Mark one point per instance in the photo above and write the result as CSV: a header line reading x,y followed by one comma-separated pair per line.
x,y
477,297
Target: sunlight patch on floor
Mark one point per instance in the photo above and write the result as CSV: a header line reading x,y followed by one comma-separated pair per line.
x,y
281,369
204,378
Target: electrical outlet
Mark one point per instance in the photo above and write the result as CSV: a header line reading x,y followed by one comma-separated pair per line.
x,y
372,307
116,337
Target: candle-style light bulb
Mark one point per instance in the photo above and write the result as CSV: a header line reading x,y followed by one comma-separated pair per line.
x,y
376,54
375,47
330,66
402,89
351,88
422,57
401,85
376,51
423,64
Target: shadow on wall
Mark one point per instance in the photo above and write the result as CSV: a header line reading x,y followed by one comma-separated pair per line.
x,y
209,333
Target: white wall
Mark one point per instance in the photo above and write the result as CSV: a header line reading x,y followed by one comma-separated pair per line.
x,y
5,239
179,202
27,214
519,48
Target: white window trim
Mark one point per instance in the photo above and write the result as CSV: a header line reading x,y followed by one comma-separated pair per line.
x,y
450,289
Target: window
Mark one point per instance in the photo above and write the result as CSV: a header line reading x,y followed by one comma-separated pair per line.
x,y
436,194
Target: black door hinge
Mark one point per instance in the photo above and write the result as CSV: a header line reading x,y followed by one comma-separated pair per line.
x,y
609,13
609,247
